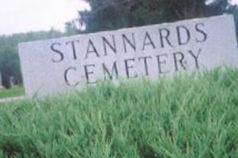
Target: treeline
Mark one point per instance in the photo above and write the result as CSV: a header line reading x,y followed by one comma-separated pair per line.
x,y
115,14
9,59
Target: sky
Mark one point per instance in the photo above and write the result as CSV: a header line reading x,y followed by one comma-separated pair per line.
x,y
234,1
34,15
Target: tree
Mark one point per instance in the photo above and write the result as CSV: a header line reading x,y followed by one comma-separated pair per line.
x,y
114,14
9,65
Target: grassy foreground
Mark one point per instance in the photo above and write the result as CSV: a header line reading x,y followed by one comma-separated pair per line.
x,y
186,117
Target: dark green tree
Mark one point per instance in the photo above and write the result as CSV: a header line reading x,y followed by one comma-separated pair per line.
x,y
9,65
114,14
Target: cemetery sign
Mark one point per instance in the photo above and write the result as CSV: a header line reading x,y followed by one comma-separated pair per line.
x,y
57,65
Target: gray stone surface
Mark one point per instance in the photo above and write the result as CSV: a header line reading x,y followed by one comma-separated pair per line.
x,y
12,81
59,65
1,86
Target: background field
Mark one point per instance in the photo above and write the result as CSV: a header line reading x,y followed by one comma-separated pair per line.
x,y
13,92
185,117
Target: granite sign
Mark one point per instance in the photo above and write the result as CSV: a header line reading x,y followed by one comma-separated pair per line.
x,y
57,65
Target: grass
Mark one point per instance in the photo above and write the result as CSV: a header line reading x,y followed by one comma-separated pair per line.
x,y
185,117
13,92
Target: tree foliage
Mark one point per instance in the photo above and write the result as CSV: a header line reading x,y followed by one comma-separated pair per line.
x,y
9,65
114,14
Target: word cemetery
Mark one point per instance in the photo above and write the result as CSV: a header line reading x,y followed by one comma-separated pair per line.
x,y
58,65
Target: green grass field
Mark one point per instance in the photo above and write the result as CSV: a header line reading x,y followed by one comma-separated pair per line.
x,y
185,117
13,92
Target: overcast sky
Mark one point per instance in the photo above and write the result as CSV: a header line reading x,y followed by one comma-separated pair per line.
x,y
34,15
